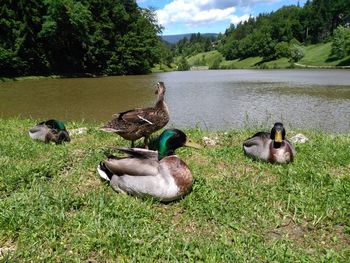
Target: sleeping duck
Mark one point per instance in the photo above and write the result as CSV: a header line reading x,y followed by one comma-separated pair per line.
x,y
271,147
50,130
160,174
137,123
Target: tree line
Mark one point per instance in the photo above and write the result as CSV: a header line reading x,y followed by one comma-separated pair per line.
x,y
116,37
111,37
280,33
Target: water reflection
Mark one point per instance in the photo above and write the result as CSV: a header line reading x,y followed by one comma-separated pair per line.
x,y
210,99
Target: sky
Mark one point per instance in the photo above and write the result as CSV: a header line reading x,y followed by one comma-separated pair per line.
x,y
208,16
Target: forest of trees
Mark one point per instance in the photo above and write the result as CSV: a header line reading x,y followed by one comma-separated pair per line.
x,y
197,43
77,36
280,33
116,37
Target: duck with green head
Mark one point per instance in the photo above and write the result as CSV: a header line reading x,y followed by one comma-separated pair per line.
x,y
160,174
50,130
271,147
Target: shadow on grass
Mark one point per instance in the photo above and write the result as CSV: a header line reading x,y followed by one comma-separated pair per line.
x,y
344,62
331,59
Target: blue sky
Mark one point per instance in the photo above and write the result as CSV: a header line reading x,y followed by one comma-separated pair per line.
x,y
208,16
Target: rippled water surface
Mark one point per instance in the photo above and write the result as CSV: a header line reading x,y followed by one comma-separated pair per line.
x,y
211,99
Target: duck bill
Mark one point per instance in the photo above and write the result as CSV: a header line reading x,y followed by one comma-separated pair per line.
x,y
278,136
193,145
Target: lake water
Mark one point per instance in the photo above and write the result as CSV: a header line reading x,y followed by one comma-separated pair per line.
x,y
212,99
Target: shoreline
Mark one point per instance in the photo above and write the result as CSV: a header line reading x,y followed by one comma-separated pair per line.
x,y
41,77
79,124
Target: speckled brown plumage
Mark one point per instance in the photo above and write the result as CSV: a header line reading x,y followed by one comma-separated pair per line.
x,y
137,123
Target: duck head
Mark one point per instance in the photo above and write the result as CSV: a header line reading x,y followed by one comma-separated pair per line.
x,y
160,91
62,136
172,139
277,134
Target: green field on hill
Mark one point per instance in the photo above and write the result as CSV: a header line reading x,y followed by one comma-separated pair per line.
x,y
315,55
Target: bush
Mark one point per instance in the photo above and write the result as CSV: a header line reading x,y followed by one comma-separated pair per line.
x,y
183,64
296,53
282,50
215,64
341,42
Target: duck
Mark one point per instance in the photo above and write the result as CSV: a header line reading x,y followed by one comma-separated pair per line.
x,y
50,130
160,174
141,122
271,147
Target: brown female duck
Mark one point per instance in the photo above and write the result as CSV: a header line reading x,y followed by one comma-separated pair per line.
x,y
142,122
271,147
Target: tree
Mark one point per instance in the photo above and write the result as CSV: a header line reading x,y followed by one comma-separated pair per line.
x,y
77,36
296,53
282,50
183,64
259,36
341,42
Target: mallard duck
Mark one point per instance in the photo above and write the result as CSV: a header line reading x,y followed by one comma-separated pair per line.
x,y
50,130
137,123
160,174
271,147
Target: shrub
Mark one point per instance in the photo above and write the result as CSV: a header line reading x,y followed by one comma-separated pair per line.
x,y
183,64
215,64
341,42
282,50
296,53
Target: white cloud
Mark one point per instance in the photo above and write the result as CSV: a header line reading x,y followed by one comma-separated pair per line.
x,y
236,19
195,12
190,12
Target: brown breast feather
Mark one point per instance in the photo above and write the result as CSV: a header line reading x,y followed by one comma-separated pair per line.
x,y
180,172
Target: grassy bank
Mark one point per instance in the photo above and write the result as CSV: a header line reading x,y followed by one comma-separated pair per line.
x,y
318,55
54,207
3,79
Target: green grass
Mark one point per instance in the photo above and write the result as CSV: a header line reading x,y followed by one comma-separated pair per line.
x,y
163,68
205,58
278,63
320,55
54,207
315,55
3,79
244,63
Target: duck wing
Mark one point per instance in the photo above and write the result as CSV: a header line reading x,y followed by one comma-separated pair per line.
x,y
141,162
140,153
139,116
257,139
39,128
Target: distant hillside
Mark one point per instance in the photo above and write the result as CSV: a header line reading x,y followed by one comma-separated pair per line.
x,y
173,39
316,56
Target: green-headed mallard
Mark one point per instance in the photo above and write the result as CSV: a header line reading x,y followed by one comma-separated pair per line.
x,y
271,147
160,174
137,123
50,130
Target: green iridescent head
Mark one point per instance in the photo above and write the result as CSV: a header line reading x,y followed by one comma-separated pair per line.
x,y
54,124
172,139
169,141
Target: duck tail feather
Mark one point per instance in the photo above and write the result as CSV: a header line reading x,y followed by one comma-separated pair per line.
x,y
104,172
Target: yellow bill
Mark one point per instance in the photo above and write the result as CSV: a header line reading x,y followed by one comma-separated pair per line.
x,y
278,136
193,145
